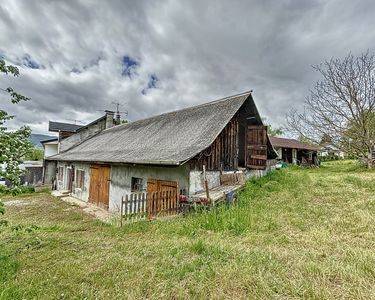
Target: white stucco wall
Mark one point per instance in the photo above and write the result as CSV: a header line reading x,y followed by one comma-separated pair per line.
x,y
79,193
120,176
50,149
120,183
61,184
196,181
255,173
49,172
121,180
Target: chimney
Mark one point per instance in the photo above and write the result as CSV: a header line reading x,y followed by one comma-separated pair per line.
x,y
109,121
118,119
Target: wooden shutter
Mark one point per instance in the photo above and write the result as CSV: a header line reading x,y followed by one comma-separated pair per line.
x,y
256,140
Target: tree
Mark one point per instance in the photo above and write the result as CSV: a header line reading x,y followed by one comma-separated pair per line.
x,y
273,131
341,106
326,139
13,144
35,154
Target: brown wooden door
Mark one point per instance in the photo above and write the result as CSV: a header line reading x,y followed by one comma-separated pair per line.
x,y
161,197
69,179
256,141
99,185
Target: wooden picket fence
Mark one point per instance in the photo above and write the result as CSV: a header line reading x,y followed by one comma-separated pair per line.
x,y
138,206
162,203
133,207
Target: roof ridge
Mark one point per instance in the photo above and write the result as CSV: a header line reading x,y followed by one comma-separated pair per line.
x,y
181,109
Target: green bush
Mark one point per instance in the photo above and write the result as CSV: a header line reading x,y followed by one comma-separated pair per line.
x,y
2,209
329,158
16,190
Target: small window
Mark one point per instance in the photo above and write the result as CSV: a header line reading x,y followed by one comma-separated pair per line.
x,y
60,173
137,184
80,179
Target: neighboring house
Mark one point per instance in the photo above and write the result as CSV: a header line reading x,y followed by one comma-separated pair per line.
x,y
63,129
293,151
167,152
50,146
32,176
69,136
330,150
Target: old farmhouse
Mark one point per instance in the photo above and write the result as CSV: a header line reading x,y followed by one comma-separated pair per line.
x,y
166,152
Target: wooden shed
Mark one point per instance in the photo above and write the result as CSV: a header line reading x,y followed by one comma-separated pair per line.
x,y
295,152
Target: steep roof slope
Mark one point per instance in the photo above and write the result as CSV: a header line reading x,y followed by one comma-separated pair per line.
x,y
291,143
169,138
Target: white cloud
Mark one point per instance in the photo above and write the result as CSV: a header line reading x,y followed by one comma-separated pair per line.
x,y
199,51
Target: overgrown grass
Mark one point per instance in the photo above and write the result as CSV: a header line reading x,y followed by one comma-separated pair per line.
x,y
296,233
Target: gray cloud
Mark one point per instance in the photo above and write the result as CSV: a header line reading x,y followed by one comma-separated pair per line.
x,y
198,51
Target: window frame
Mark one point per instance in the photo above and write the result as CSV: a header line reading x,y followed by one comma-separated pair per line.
x,y
80,179
136,184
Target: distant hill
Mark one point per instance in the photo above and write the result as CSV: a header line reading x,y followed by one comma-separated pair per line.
x,y
35,139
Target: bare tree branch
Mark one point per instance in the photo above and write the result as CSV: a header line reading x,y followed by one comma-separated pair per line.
x,y
341,106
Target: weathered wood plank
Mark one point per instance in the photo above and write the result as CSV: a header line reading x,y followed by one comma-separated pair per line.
x,y
258,156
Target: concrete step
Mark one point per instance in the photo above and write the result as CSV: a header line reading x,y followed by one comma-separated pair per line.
x,y
60,194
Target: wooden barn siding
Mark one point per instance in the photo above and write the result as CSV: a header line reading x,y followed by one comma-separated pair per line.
x,y
223,152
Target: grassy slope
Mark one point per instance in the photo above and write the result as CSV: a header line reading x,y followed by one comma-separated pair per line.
x,y
295,234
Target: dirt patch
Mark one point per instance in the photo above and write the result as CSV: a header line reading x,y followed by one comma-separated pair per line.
x,y
90,209
18,203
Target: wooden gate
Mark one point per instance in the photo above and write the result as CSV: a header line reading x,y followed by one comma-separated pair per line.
x,y
162,198
256,140
99,185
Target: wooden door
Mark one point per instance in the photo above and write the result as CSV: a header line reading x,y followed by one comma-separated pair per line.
x,y
99,185
161,197
69,179
256,140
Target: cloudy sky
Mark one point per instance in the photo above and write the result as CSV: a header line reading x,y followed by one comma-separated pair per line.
x,y
77,57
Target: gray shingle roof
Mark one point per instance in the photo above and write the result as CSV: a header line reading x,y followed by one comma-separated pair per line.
x,y
169,138
65,127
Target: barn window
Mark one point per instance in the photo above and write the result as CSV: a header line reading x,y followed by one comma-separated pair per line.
x,y
61,173
137,184
80,179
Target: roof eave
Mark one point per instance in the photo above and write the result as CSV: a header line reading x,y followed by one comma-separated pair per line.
x,y
140,162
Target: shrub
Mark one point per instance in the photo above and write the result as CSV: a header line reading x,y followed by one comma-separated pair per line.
x,y
16,190
2,209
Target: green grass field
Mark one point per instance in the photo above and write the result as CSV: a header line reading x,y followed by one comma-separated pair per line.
x,y
296,233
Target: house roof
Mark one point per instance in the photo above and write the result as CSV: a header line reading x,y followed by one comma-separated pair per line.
x,y
291,143
169,139
91,123
65,127
50,140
